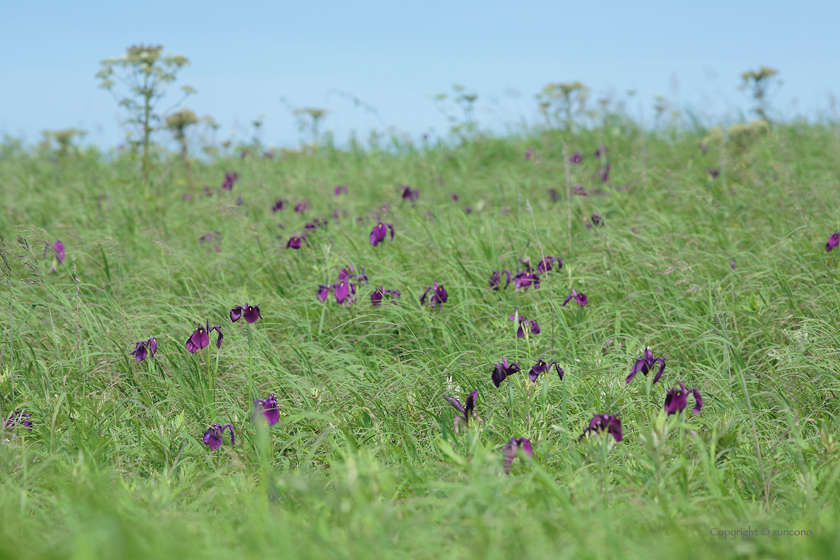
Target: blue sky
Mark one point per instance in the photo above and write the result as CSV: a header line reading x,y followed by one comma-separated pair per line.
x,y
396,56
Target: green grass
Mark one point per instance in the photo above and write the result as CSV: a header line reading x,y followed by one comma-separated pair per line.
x,y
364,462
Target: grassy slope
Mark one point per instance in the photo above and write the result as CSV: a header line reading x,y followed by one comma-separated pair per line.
x,y
364,462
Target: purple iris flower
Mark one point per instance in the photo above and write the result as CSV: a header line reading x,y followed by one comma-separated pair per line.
x,y
512,447
545,264
315,224
833,242
213,436
713,172
340,189
278,205
409,193
503,370
211,237
301,206
380,232
344,292
530,153
144,348
579,297
230,179
605,423
323,292
601,151
468,409
677,399
58,248
496,280
380,293
350,272
526,279
270,410
455,197
576,157
645,364
596,221
296,242
532,325
579,190
604,173
541,367
251,313
19,417
200,338
439,295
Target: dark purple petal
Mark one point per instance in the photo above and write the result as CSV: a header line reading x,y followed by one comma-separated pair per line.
x,y
198,340
698,400
615,428
213,437
278,205
605,423
535,328
637,367
576,157
525,445
672,402
323,292
151,344
219,332
661,362
509,451
140,351
252,313
455,403
236,313
495,280
605,173
409,193
498,376
560,371
17,417
270,410
833,242
377,234
58,246
469,405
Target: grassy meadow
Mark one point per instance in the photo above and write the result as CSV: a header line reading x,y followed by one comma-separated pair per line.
x,y
726,277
